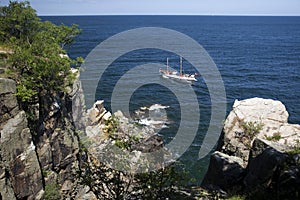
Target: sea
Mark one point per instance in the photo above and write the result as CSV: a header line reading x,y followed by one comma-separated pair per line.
x,y
257,56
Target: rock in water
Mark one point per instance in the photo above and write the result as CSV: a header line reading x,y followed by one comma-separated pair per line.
x,y
254,152
265,117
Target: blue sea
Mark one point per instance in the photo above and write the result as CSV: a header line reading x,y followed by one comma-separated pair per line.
x,y
256,56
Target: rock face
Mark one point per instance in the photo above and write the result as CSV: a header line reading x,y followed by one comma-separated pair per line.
x,y
21,175
78,103
256,152
45,165
54,161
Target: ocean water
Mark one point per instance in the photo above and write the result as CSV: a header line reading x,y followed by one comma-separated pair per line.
x,y
256,56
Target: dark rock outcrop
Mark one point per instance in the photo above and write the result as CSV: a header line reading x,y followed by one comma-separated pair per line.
x,y
224,172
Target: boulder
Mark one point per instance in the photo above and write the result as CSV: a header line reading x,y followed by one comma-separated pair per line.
x,y
153,143
264,161
270,114
106,116
97,113
272,169
253,153
224,173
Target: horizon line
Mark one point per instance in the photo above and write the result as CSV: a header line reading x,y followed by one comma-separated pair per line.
x,y
221,15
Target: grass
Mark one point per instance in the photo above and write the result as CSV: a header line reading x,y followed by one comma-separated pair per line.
x,y
296,148
276,137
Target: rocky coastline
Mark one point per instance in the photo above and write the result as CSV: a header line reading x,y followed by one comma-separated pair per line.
x,y
257,154
62,162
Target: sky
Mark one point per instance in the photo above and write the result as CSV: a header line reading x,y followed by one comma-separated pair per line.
x,y
165,7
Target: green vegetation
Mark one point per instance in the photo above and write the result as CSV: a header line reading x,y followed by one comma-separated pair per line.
x,y
123,141
161,184
36,60
111,127
236,197
52,191
251,129
296,148
45,173
276,137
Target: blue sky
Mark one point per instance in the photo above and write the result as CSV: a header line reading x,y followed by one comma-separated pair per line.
x,y
165,7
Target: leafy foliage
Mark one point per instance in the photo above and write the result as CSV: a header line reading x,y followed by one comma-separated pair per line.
x,y
38,61
38,50
161,184
18,21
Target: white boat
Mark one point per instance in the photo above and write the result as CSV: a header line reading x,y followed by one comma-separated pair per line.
x,y
172,74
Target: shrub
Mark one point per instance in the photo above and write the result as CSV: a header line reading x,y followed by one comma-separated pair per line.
x,y
52,191
251,129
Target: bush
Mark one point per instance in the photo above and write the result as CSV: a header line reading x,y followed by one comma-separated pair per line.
x,y
52,191
251,129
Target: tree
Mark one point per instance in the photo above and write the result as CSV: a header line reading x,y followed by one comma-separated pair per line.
x,y
40,68
18,21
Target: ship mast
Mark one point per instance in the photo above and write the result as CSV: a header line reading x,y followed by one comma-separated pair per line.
x,y
180,71
167,65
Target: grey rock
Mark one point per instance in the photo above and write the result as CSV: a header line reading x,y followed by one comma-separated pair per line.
x,y
270,113
8,101
153,143
269,166
85,194
18,152
6,190
7,86
78,104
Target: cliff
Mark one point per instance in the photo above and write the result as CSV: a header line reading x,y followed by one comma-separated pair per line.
x,y
257,154
62,159
40,166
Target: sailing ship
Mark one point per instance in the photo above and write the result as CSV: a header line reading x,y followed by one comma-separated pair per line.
x,y
173,74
